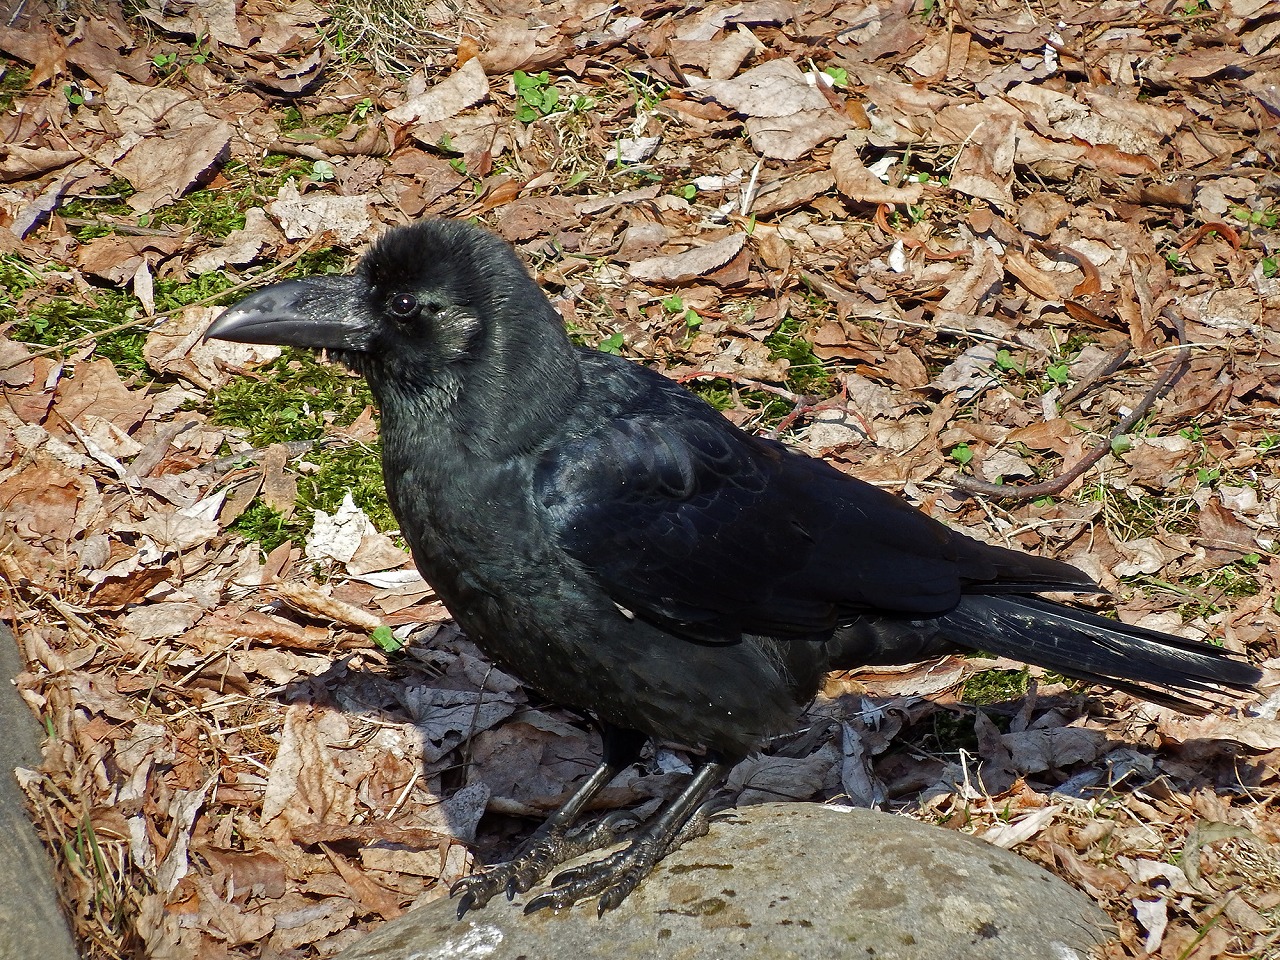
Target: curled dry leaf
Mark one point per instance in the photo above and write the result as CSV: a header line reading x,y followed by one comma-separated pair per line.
x,y
678,268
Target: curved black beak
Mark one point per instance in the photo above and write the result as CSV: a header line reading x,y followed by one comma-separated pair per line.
x,y
323,313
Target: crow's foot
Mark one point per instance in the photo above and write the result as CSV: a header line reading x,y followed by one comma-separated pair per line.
x,y
613,878
544,851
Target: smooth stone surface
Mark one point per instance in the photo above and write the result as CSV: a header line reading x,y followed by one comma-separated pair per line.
x,y
31,925
787,880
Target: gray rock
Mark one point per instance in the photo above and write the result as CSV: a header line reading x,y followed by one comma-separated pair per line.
x,y
31,925
788,880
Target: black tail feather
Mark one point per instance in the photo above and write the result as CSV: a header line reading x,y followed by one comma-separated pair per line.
x,y
1188,675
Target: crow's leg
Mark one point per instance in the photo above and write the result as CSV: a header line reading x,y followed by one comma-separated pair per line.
x,y
614,877
553,842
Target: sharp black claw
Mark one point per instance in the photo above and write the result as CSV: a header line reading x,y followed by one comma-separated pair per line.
x,y
465,904
542,901
512,889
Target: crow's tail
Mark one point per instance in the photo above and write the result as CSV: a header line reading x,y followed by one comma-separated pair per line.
x,y
1186,674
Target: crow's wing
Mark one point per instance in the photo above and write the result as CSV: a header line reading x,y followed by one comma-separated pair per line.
x,y
688,521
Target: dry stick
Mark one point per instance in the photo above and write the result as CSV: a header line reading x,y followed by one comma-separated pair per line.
x,y
1104,369
800,403
1059,483
743,382
293,449
166,314
840,403
127,229
839,294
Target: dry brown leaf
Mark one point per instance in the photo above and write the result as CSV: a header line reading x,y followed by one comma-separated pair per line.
x,y
1158,462
279,487
303,216
305,783
770,779
773,89
856,182
309,600
464,88
240,247
96,388
446,718
683,267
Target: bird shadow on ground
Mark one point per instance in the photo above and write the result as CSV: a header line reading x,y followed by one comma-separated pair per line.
x,y
497,761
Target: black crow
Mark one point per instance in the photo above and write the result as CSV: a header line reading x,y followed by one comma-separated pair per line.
x,y
612,540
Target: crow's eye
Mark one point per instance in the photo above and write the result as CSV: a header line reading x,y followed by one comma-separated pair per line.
x,y
404,306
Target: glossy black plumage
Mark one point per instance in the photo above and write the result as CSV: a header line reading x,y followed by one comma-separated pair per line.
x,y
612,540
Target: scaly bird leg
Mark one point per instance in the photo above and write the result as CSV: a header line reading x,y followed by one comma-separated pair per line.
x,y
553,843
614,877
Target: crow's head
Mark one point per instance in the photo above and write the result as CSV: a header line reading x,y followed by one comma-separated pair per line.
x,y
440,317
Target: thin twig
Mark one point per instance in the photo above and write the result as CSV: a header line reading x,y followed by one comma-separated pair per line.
x,y
1063,480
293,450
1109,364
743,382
801,404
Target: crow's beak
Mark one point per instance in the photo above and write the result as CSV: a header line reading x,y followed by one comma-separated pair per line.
x,y
318,312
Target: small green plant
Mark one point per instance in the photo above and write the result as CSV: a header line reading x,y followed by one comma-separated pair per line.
x,y
385,640
341,45
298,398
216,211
839,76
1270,266
719,393
295,397
611,344
806,374
961,453
1268,217
16,278
994,686
1008,363
1209,473
263,525
1059,373
536,95
72,92
14,79
675,306
59,320
1207,476
165,63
